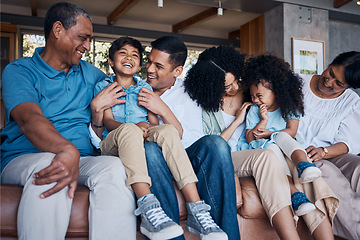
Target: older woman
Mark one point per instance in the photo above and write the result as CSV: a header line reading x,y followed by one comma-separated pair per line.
x,y
330,130
213,82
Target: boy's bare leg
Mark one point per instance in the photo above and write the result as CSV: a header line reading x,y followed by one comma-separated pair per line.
x,y
190,193
141,189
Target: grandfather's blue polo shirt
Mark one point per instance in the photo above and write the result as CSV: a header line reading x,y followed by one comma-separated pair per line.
x,y
64,100
130,111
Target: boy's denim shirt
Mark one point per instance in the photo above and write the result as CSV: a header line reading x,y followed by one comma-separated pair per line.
x,y
128,112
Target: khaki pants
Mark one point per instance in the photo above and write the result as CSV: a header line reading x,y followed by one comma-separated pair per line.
x,y
270,177
111,207
127,142
273,186
347,219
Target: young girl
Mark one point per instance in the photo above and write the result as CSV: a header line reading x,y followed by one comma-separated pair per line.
x,y
273,120
126,127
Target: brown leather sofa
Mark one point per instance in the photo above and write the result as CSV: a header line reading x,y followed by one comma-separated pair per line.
x,y
253,222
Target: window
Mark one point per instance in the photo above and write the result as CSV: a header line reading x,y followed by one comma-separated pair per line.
x,y
99,53
30,42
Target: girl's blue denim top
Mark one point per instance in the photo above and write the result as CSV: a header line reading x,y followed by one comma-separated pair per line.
x,y
128,112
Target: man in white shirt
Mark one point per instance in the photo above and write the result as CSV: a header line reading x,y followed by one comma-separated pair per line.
x,y
210,155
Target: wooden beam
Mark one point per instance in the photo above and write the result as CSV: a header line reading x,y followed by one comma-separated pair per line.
x,y
340,3
123,8
33,8
5,27
234,34
198,18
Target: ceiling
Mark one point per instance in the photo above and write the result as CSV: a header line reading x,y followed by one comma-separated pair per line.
x,y
197,18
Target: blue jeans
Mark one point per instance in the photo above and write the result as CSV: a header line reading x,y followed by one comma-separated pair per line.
x,y
211,159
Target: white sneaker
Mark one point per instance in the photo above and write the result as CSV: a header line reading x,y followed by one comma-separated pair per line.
x,y
155,224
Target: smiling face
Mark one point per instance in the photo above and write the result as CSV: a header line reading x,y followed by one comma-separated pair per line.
x,y
231,84
261,95
73,43
126,60
161,74
332,81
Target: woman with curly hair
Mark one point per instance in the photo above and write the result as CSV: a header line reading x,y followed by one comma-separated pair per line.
x,y
272,122
214,82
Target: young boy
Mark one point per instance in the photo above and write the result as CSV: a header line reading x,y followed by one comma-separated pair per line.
x,y
126,127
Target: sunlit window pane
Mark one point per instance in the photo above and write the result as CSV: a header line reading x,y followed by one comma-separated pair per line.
x,y
101,49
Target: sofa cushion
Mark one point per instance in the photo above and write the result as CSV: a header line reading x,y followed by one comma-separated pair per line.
x,y
252,207
10,198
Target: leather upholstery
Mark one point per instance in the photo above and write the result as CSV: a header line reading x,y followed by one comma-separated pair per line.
x,y
253,222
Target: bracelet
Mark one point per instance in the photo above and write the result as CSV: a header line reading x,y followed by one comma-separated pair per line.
x,y
97,126
326,151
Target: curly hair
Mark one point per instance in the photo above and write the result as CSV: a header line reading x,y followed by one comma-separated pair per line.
x,y
278,77
205,81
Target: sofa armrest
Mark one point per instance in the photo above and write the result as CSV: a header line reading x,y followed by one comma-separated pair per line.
x,y
252,207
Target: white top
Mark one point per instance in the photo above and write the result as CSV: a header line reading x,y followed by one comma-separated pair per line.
x,y
329,121
228,119
186,111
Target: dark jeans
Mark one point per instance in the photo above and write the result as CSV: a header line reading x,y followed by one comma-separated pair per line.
x,y
211,159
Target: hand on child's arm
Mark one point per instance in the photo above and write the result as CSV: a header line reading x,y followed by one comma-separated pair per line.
x,y
241,112
105,99
156,105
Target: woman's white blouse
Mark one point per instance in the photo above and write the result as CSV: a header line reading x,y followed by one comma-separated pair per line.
x,y
228,119
329,121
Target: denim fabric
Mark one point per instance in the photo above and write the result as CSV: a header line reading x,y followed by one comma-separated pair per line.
x,y
211,159
162,185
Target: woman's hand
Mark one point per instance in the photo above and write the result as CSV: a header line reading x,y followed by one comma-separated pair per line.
x,y
315,154
241,112
263,112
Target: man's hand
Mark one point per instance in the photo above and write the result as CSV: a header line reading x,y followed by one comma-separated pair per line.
x,y
157,106
107,98
64,169
104,100
151,101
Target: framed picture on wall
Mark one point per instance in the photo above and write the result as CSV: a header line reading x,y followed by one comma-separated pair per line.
x,y
308,56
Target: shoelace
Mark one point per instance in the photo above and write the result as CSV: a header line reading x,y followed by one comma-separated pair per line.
x,y
206,220
157,216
